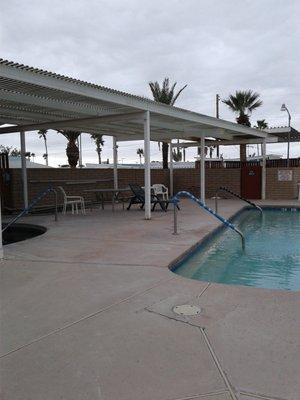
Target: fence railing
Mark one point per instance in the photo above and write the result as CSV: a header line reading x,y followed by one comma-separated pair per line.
x,y
280,163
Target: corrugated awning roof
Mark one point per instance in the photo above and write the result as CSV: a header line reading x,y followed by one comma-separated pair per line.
x,y
33,99
285,133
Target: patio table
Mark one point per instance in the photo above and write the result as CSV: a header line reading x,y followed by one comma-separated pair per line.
x,y
115,193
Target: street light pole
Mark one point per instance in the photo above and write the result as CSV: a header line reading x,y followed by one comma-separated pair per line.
x,y
284,108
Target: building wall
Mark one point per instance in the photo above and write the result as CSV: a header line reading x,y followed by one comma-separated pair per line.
x,y
77,180
282,189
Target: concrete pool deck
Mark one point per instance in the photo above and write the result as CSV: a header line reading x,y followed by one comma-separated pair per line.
x,y
86,313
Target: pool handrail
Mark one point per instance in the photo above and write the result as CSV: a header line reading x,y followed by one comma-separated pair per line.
x,y
175,200
225,189
39,197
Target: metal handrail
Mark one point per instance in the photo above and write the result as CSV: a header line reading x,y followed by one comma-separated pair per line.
x,y
175,200
224,189
32,204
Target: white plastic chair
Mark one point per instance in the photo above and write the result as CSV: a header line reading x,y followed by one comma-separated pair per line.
x,y
73,201
161,190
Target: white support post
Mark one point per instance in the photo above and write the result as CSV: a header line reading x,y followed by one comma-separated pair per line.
x,y
115,157
1,245
171,171
147,182
24,169
80,151
264,171
202,170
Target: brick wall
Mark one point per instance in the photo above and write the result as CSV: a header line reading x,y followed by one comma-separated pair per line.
x,y
189,179
40,179
184,179
282,189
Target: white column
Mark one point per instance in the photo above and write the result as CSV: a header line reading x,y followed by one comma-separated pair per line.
x,y
171,171
1,245
24,170
115,157
202,170
264,170
147,179
80,151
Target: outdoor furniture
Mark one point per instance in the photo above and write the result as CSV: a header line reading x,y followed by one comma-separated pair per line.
x,y
161,190
73,201
114,192
139,198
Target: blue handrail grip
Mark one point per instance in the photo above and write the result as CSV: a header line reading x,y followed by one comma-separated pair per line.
x,y
240,197
26,210
176,200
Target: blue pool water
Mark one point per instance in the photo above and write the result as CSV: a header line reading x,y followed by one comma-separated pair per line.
x,y
271,258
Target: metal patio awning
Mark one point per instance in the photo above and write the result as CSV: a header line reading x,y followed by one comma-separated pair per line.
x,y
32,99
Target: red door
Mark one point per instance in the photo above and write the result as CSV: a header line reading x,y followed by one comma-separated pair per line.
x,y
251,181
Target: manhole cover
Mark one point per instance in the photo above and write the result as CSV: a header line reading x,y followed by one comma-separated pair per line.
x,y
187,309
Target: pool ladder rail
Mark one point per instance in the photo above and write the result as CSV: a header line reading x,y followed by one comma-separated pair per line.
x,y
175,200
225,189
26,210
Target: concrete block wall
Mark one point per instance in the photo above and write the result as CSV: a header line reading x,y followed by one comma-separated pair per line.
x,y
282,189
184,179
40,179
189,179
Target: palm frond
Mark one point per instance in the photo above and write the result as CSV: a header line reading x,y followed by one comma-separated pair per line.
x,y
70,135
164,93
243,102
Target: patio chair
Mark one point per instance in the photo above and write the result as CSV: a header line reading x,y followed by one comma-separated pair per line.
x,y
73,201
139,198
161,191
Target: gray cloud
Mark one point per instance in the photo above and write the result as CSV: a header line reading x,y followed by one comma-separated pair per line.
x,y
213,46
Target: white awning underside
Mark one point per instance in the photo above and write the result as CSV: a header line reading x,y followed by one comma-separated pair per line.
x,y
33,99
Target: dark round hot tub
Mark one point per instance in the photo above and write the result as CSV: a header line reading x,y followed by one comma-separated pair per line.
x,y
19,232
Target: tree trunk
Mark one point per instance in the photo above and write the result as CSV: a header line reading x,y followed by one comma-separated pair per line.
x,y
165,152
46,148
243,119
72,153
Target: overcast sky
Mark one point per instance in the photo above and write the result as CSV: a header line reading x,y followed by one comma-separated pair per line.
x,y
213,46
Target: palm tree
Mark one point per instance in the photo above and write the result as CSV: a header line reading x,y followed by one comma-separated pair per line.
x,y
99,142
177,153
140,153
72,150
43,135
261,124
165,94
243,103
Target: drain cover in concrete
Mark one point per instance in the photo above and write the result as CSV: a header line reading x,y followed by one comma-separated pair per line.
x,y
187,309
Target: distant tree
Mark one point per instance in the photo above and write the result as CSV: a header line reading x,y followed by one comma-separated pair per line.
x,y
140,153
243,103
261,124
165,94
43,135
5,149
177,153
72,150
14,152
99,142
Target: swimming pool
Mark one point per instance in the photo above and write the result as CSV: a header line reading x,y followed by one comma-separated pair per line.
x,y
271,258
